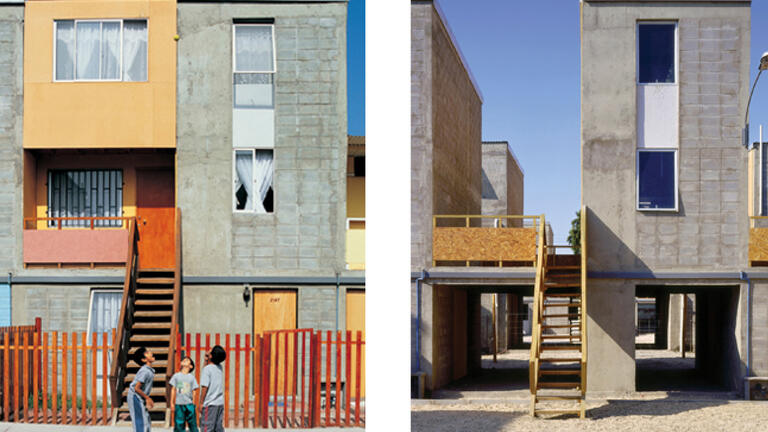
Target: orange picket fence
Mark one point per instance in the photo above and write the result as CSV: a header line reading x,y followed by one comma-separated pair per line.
x,y
64,379
288,378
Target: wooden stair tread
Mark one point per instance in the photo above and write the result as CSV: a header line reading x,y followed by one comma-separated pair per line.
x,y
156,314
154,291
554,326
576,411
156,391
557,397
150,338
151,325
156,350
153,303
563,267
574,347
574,315
155,280
560,371
559,359
561,304
157,407
565,336
157,364
546,385
564,275
562,284
566,295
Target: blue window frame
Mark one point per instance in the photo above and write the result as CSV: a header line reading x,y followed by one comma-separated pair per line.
x,y
657,180
656,46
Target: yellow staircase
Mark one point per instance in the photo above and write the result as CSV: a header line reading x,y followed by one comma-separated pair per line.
x,y
558,362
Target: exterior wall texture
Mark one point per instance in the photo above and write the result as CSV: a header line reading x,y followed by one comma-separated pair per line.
x,y
709,231
305,235
502,181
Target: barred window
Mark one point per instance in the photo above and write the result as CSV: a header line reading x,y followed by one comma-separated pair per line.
x,y
85,193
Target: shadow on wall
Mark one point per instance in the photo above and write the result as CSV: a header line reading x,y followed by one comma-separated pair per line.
x,y
488,191
616,305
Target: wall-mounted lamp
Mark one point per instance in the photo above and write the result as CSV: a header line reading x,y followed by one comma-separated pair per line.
x,y
246,294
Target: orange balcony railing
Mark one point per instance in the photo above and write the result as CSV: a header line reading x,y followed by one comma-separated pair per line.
x,y
484,240
49,241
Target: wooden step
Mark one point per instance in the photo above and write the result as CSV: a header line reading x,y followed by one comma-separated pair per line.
x,y
566,295
154,291
563,267
556,304
565,336
546,385
560,371
546,347
150,338
155,280
153,302
151,325
158,377
559,360
156,270
544,326
546,411
573,315
562,284
564,275
152,314
558,397
156,350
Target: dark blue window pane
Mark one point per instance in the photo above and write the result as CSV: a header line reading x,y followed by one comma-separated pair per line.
x,y
657,53
657,180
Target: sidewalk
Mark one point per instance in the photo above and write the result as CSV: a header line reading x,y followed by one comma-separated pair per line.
x,y
21,427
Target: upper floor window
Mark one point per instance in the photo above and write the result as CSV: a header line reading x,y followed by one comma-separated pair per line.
x,y
100,50
83,194
253,65
657,179
656,52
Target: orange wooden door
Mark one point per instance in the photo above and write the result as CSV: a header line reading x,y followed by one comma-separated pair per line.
x,y
276,310
155,213
355,322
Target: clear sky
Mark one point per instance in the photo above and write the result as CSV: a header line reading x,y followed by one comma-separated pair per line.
x,y
524,56
356,67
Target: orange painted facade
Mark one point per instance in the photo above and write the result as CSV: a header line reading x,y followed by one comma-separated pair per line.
x,y
98,114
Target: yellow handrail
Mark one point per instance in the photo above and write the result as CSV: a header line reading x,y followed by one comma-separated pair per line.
x,y
533,370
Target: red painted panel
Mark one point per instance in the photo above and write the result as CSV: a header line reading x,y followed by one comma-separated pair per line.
x,y
75,246
155,214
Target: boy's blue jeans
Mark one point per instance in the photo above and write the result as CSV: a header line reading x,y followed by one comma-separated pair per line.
x,y
184,415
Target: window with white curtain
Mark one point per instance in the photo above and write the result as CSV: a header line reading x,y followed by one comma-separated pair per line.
x,y
104,312
100,50
253,72
253,174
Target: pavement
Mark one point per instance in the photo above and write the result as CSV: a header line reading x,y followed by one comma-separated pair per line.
x,y
22,427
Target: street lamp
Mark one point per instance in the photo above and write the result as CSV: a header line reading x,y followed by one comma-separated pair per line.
x,y
763,66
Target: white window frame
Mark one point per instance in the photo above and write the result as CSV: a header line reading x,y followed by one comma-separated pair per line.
x,y
253,179
637,179
90,309
234,51
676,51
74,55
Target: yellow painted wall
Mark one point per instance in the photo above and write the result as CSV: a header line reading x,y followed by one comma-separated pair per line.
x,y
127,162
355,197
355,254
99,114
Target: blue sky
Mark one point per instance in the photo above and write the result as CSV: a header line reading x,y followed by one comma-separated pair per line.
x,y
525,59
356,67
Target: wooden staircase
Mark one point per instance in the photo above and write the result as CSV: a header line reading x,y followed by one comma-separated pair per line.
x,y
558,345
149,313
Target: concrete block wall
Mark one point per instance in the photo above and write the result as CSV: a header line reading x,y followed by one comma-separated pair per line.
x,y
11,169
759,354
502,181
63,308
305,234
707,232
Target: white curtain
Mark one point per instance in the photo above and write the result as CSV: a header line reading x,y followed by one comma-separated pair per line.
x,y
253,48
88,39
135,50
105,312
244,168
65,50
263,176
110,50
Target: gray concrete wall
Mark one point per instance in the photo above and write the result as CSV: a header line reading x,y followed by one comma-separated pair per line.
x,y
305,234
707,232
11,169
487,324
502,182
63,308
759,352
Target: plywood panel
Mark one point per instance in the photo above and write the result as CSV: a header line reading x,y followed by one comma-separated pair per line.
x,y
155,216
356,322
484,244
276,310
758,244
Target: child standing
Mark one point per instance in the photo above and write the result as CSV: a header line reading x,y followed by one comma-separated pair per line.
x,y
139,399
183,388
212,393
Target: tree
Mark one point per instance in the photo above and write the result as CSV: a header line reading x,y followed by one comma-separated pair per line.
x,y
574,235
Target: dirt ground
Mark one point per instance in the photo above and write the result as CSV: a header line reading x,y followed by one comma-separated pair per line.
x,y
611,415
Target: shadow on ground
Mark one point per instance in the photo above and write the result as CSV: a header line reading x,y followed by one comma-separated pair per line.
x,y
487,380
461,420
659,407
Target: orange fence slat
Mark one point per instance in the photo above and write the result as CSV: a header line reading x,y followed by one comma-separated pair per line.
x,y
226,378
84,386
348,376
74,378
246,378
35,375
25,375
94,344
338,379
285,378
237,380
357,376
328,377
44,376
6,375
198,367
64,378
55,379
104,377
